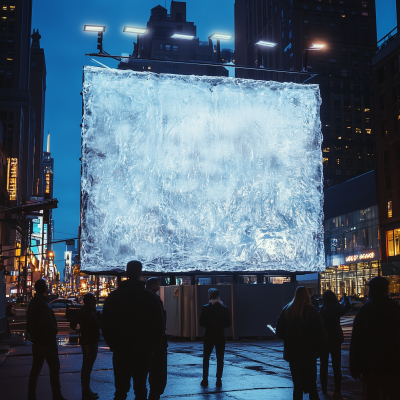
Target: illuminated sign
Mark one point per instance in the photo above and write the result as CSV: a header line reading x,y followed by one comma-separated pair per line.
x,y
47,183
344,267
12,166
360,257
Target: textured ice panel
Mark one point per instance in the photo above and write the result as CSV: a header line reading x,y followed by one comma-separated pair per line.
x,y
200,173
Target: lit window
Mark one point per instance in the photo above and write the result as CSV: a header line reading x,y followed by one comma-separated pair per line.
x,y
393,242
325,161
167,47
149,67
364,4
358,130
364,14
368,131
389,209
175,48
338,161
326,150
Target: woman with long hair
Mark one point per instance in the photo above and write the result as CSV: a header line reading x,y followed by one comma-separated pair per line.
x,y
331,311
300,327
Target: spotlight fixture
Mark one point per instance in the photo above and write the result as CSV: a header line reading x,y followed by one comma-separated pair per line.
x,y
181,36
132,29
316,46
221,36
266,44
94,28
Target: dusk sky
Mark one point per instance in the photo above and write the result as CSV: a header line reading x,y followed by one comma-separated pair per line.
x,y
65,44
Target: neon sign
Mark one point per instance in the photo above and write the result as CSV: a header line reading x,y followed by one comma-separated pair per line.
x,y
356,257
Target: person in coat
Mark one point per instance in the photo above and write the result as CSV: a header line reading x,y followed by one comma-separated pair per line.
x,y
132,326
89,327
215,318
375,344
41,327
331,311
301,328
158,361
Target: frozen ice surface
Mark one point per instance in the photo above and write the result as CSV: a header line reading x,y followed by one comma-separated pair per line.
x,y
200,173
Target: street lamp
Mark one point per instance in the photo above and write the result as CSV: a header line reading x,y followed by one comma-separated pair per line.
x,y
261,44
137,31
313,47
218,37
100,29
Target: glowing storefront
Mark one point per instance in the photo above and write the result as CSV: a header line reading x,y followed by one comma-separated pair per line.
x,y
352,252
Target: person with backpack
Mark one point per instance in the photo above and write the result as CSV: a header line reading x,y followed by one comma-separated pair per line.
x,y
331,311
89,328
301,328
41,326
215,318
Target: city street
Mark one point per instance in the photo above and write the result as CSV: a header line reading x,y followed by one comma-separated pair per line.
x,y
254,369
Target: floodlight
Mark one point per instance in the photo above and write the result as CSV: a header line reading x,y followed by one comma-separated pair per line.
x,y
180,36
221,36
94,28
316,46
132,29
266,44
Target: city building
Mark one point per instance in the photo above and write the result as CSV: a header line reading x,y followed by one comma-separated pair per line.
x,y
38,93
348,31
352,253
70,253
386,78
157,44
48,174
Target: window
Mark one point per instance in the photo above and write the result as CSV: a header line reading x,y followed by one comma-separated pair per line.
x,y
338,161
388,183
326,149
354,50
349,162
339,172
344,72
386,157
368,131
325,161
393,242
167,47
175,48
332,60
364,14
319,8
364,4
370,163
161,46
389,209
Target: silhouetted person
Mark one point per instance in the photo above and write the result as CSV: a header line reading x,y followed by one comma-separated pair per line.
x,y
301,328
90,336
41,326
158,361
133,326
375,344
215,317
331,311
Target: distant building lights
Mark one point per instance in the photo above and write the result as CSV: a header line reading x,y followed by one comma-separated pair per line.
x,y
266,44
181,36
94,28
221,36
132,29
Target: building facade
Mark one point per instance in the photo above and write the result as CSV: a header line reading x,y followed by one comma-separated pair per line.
x,y
158,44
348,30
352,248
48,177
386,77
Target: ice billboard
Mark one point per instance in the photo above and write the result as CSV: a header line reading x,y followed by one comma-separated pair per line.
x,y
188,173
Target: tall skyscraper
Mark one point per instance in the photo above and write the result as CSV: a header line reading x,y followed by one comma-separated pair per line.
x,y
348,31
48,173
158,44
38,94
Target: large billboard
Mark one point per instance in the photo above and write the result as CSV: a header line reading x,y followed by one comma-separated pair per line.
x,y
196,173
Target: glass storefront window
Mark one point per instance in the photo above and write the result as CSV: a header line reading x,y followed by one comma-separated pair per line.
x,y
393,242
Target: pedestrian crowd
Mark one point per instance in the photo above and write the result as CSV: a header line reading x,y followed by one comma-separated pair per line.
x,y
133,323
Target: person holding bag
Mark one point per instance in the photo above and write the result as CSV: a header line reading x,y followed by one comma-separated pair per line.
x,y
331,311
301,328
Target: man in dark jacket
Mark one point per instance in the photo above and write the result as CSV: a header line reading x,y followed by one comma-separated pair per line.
x,y
90,335
375,343
215,317
42,329
158,362
133,326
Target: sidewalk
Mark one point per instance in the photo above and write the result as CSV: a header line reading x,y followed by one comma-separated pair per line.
x,y
254,369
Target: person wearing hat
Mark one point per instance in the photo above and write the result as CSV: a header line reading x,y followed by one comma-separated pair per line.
x,y
89,327
41,326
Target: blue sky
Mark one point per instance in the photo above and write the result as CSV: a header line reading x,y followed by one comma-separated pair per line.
x,y
65,45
